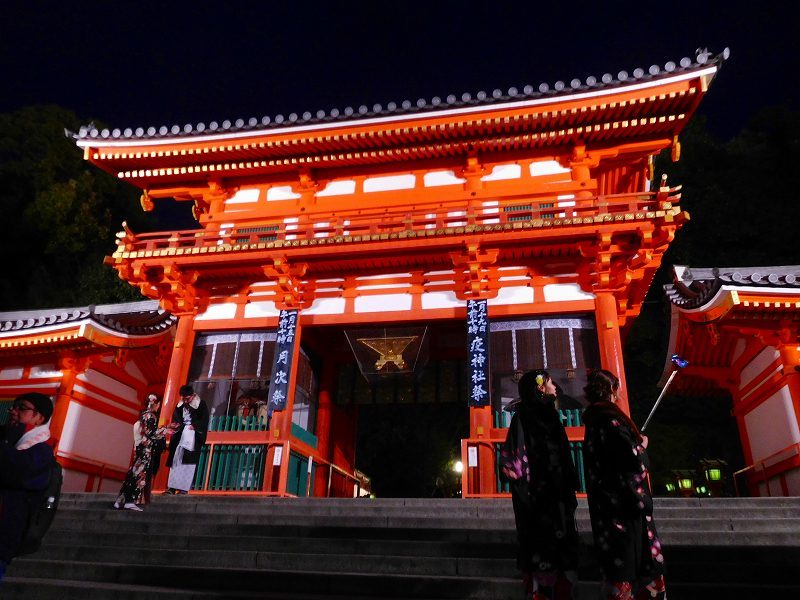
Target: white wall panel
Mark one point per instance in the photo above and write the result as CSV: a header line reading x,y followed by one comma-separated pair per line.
x,y
772,425
91,434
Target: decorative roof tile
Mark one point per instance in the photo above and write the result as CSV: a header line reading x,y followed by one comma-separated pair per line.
x,y
702,60
131,318
694,286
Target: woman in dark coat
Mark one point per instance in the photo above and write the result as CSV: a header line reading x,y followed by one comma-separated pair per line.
x,y
536,459
620,502
190,423
148,439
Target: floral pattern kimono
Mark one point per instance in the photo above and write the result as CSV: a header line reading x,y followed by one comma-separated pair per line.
x,y
620,501
536,459
145,459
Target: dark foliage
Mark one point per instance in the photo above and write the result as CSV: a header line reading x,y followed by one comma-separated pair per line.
x,y
61,214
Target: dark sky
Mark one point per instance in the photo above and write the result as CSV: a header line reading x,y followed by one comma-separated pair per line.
x,y
130,64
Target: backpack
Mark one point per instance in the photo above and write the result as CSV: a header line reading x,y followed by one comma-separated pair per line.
x,y
43,506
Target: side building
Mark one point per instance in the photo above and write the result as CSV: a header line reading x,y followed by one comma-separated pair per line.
x,y
739,328
459,239
98,363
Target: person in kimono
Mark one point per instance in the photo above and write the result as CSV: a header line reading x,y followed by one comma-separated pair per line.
x,y
620,501
537,461
190,423
148,441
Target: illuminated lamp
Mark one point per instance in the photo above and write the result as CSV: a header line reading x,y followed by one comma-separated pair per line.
x,y
701,489
670,487
714,474
458,467
685,483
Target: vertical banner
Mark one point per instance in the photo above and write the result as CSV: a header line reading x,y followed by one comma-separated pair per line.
x,y
478,340
282,363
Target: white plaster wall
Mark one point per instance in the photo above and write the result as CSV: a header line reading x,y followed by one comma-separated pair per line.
x,y
226,310
499,172
738,349
112,386
11,373
793,482
562,292
265,308
74,481
97,436
547,167
445,299
326,306
281,192
244,196
45,371
389,182
338,188
772,425
134,371
512,295
438,178
383,303
758,364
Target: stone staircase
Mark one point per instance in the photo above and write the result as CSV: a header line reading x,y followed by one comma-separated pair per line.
x,y
213,547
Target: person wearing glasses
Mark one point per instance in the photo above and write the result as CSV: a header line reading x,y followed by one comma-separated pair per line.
x,y
25,459
190,424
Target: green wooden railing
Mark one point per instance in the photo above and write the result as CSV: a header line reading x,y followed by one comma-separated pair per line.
x,y
237,423
230,467
4,408
569,418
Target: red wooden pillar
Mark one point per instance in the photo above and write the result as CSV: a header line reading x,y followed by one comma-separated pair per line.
x,y
611,343
482,478
70,369
176,377
324,422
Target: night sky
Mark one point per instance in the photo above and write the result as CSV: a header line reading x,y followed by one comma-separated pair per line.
x,y
141,64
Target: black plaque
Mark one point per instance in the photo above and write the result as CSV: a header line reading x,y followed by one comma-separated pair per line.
x,y
282,362
478,340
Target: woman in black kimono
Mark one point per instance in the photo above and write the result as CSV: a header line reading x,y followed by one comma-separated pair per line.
x,y
620,502
148,444
536,459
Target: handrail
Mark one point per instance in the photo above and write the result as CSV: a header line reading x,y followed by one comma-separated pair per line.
x,y
85,459
763,465
421,218
282,468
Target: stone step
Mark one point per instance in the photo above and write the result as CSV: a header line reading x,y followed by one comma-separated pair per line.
x,y
288,544
355,584
273,558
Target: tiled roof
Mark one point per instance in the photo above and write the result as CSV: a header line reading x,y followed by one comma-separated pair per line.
x,y
693,287
435,104
131,318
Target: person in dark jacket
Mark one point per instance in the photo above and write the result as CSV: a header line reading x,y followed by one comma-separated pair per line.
x,y
25,459
536,459
190,424
620,502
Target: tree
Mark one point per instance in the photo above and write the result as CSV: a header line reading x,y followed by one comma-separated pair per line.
x,y
61,214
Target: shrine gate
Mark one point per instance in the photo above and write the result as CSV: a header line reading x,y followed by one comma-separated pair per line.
x,y
522,223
